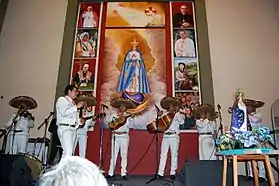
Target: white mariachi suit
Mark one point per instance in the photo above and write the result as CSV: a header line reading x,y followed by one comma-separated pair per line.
x,y
81,139
206,131
171,140
255,121
18,140
120,142
67,123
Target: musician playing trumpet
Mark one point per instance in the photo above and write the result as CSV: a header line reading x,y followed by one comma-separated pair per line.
x,y
205,121
19,135
120,123
171,136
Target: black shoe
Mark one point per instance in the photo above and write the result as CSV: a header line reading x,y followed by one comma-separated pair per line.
x,y
262,179
160,177
109,177
172,177
124,177
250,178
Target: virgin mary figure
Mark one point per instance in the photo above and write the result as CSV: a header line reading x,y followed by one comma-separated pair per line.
x,y
240,121
133,78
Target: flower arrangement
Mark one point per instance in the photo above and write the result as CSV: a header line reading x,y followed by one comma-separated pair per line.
x,y
246,139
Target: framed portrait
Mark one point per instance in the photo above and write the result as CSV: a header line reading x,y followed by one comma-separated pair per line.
x,y
83,74
184,43
89,15
186,76
135,14
183,15
86,43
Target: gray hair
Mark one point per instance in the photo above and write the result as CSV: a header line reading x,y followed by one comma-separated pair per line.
x,y
73,171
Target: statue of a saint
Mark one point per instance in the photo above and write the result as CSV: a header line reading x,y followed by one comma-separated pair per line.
x,y
133,78
239,120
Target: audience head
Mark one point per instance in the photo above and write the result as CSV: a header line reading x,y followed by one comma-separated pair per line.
x,y
73,171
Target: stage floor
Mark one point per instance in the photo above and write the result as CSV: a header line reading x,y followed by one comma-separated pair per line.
x,y
141,180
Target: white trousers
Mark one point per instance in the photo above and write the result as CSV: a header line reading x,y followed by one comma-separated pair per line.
x,y
207,147
82,144
172,142
119,143
261,169
67,136
18,143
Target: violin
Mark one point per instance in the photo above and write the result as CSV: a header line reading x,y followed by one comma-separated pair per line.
x,y
28,115
101,115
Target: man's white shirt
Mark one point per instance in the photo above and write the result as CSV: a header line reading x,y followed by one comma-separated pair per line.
x,y
67,112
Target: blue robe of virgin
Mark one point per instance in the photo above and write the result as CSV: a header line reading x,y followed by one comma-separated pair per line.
x,y
129,68
238,119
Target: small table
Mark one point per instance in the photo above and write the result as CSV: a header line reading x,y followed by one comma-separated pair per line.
x,y
247,156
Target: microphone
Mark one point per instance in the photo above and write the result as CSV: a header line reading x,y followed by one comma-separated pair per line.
x,y
51,113
219,106
1,97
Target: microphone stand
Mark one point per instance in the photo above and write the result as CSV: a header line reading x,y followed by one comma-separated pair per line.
x,y
45,123
156,148
101,165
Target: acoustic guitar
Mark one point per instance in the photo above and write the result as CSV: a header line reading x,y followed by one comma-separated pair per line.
x,y
164,123
118,122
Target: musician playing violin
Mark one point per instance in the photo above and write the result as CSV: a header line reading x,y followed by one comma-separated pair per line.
x,y
85,126
207,128
171,135
120,123
19,135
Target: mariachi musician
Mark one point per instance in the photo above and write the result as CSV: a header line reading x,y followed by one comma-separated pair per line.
x,y
86,122
205,116
120,123
171,135
20,124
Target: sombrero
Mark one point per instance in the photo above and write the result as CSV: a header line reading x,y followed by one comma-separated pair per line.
x,y
90,100
203,108
117,102
166,102
253,103
24,102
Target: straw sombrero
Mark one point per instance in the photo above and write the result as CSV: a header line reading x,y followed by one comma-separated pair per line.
x,y
253,103
25,102
203,108
168,101
117,102
90,100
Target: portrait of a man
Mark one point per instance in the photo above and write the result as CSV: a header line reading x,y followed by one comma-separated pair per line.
x,y
184,46
90,18
83,78
89,15
183,19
